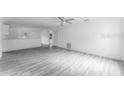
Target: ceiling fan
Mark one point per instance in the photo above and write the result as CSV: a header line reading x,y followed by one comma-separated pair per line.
x,y
64,20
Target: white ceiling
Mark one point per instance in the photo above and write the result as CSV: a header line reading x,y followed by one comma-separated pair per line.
x,y
33,21
37,21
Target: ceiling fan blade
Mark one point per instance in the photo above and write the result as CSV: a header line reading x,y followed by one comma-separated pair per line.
x,y
69,19
61,18
68,22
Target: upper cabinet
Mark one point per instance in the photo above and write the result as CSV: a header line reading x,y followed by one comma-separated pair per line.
x,y
5,31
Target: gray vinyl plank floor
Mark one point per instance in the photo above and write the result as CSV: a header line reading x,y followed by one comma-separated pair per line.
x,y
57,62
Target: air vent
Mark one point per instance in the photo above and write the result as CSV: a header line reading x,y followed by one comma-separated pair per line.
x,y
68,45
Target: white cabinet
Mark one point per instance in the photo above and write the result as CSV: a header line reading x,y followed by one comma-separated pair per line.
x,y
4,45
17,44
5,33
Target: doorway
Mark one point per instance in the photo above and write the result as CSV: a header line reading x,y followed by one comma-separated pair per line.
x,y
47,39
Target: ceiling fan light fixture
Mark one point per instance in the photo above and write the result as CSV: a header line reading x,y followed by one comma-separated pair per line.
x,y
63,20
86,19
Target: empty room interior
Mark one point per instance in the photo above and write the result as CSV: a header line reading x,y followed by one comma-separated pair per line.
x,y
61,46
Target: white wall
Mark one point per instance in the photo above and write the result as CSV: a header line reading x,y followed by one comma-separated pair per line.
x,y
100,36
45,37
122,37
0,37
55,33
